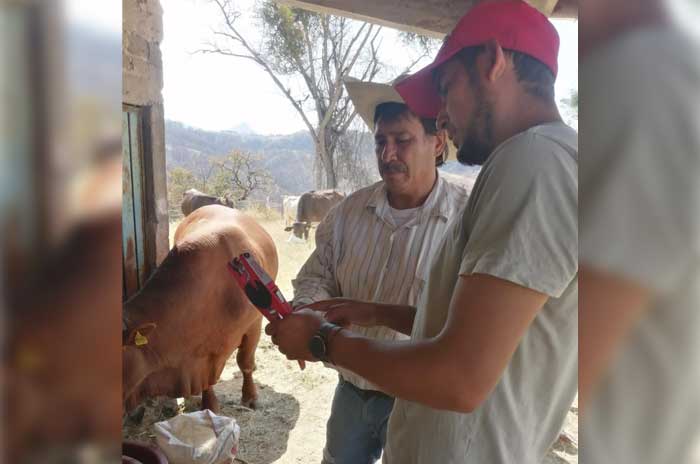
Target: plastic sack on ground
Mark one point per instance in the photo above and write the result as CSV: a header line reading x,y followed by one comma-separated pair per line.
x,y
200,437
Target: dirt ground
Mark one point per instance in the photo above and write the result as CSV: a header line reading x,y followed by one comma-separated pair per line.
x,y
288,426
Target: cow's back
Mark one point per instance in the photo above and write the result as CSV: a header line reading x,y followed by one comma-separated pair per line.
x,y
199,311
193,199
313,206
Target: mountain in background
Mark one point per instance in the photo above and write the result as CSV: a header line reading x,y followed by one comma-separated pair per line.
x,y
288,158
243,129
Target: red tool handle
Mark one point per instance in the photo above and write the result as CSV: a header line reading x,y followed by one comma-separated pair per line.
x,y
260,289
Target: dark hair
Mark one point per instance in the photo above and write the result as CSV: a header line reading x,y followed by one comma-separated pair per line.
x,y
393,111
535,76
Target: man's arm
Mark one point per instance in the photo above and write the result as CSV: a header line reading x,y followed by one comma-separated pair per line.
x,y
344,311
397,317
610,308
316,279
455,370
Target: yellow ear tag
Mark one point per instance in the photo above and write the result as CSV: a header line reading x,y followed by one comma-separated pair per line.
x,y
140,340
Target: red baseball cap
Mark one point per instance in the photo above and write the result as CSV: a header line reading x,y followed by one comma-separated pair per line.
x,y
513,23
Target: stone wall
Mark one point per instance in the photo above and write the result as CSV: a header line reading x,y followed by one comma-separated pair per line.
x,y
142,83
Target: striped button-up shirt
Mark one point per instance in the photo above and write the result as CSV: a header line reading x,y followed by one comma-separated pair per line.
x,y
361,254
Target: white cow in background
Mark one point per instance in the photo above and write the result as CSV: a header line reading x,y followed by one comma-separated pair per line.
x,y
289,208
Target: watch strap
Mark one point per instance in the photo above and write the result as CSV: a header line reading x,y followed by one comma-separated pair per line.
x,y
327,331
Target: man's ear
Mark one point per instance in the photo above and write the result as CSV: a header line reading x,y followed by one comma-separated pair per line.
x,y
497,64
441,144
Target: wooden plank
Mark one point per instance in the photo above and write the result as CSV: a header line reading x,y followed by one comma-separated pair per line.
x,y
545,6
566,9
137,185
433,18
129,265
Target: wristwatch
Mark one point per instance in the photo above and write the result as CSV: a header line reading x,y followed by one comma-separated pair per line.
x,y
318,345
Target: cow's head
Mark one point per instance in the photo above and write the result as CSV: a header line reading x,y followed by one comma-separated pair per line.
x,y
299,229
135,367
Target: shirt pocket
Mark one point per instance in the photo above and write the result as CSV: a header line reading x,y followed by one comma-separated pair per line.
x,y
420,279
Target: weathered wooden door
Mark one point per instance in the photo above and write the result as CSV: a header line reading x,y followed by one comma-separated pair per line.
x,y
133,198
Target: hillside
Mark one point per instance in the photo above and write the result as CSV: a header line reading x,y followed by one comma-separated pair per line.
x,y
288,158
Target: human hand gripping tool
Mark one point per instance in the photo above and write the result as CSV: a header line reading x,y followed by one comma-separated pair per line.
x,y
260,289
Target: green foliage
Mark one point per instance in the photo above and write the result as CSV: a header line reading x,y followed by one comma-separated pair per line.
x,y
421,43
573,100
179,181
285,33
238,175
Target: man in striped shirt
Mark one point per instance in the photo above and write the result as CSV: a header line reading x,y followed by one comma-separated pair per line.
x,y
376,246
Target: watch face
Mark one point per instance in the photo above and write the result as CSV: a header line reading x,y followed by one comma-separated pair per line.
x,y
317,346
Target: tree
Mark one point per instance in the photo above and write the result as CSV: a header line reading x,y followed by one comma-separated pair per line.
x,y
319,49
238,175
357,164
569,106
179,181
202,170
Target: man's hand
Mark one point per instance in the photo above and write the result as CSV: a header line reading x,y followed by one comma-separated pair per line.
x,y
344,311
293,333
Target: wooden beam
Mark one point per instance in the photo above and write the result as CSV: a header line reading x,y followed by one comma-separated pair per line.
x,y
566,9
545,6
433,18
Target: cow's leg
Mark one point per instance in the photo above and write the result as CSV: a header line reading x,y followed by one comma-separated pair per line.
x,y
209,400
246,363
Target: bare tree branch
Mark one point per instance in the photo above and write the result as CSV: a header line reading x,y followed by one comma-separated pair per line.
x,y
229,19
322,50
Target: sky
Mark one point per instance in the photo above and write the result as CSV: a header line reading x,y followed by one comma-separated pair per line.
x,y
218,93
102,15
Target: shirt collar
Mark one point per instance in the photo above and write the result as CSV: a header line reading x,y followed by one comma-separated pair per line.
x,y
435,204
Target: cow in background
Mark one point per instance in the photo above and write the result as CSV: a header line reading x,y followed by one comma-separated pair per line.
x,y
182,327
289,208
194,199
312,208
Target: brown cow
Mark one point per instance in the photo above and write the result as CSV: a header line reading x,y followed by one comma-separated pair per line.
x,y
182,327
194,199
313,207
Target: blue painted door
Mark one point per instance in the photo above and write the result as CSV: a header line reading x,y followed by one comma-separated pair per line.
x,y
133,243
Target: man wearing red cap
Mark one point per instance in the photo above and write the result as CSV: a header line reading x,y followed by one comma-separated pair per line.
x,y
490,371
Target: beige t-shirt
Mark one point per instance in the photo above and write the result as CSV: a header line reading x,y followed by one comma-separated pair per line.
x,y
640,220
520,224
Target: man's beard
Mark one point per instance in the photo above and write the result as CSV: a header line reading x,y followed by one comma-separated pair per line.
x,y
476,147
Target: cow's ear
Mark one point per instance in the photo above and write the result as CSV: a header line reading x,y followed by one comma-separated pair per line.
x,y
139,335
288,228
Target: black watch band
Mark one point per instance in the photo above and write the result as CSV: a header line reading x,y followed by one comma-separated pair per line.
x,y
318,345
